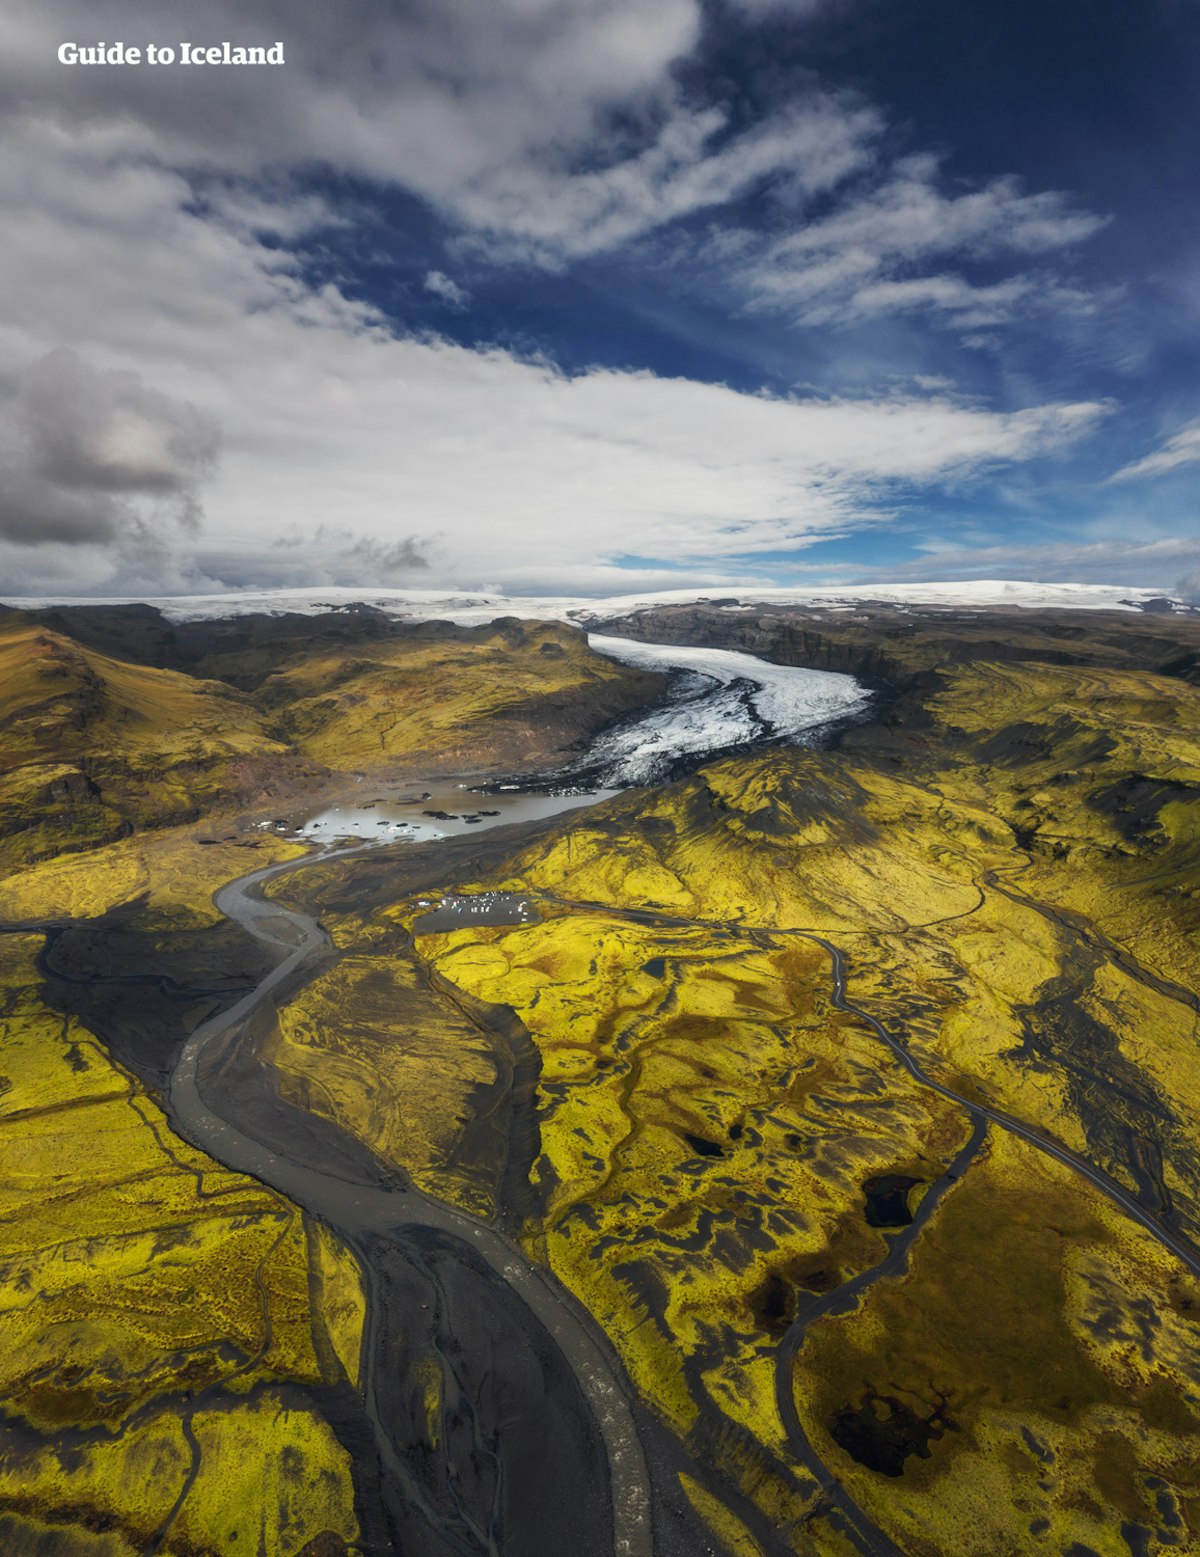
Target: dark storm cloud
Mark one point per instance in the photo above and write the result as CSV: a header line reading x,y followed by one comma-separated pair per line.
x,y
35,512
85,450
386,557
110,432
328,554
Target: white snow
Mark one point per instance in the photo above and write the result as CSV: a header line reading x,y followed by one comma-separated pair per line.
x,y
469,606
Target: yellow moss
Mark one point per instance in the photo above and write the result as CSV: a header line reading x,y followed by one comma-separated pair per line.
x,y
21,1534
707,1124
441,702
1005,1333
107,746
59,697
134,1273
339,1300
730,1531
1010,896
370,1046
270,1478
1008,979
79,1070
130,1483
171,870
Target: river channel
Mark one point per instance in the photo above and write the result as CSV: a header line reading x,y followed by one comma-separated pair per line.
x,y
546,1448
535,1402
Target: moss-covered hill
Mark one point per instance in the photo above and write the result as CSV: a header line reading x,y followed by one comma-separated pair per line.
x,y
165,1324
504,696
867,1314
179,1348
94,746
807,1255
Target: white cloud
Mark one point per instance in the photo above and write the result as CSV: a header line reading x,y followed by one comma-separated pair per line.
x,y
970,306
543,130
511,469
447,289
1148,564
910,217
858,261
691,165
485,111
1183,448
151,225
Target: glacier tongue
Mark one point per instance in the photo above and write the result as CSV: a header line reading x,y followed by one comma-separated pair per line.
x,y
720,699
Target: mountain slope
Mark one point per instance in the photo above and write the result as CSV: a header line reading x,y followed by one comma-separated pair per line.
x,y
495,698
796,1243
92,747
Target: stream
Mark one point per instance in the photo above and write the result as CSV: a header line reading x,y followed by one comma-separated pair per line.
x,y
534,1400
545,1447
366,1215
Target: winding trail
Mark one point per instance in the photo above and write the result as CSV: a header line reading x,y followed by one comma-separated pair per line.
x,y
360,1213
866,1536
1075,924
368,1216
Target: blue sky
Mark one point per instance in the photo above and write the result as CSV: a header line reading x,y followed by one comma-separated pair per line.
x,y
587,295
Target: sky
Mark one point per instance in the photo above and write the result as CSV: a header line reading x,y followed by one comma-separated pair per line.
x,y
600,296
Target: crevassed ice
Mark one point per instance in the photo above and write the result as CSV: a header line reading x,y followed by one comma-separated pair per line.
x,y
728,699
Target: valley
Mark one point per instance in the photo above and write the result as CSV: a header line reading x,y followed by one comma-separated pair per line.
x,y
798,1156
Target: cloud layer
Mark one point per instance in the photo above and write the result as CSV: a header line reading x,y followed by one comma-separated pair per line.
x,y
1180,450
98,458
1151,563
157,239
546,130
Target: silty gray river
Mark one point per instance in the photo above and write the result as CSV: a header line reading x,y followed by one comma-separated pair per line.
x,y
515,1347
